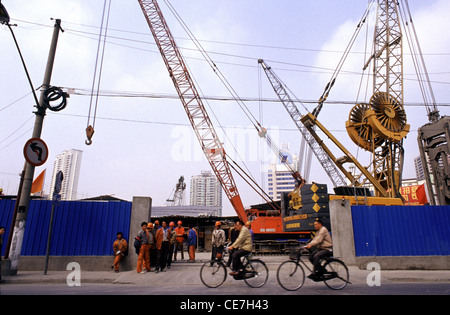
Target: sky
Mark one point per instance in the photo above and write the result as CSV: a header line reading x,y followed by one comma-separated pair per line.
x,y
143,141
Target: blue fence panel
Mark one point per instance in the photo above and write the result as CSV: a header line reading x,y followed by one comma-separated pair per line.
x,y
401,230
80,228
6,214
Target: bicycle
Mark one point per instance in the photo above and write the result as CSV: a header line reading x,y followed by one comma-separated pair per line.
x,y
332,271
254,272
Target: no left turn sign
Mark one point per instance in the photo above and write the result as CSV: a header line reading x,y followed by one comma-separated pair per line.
x,y
35,151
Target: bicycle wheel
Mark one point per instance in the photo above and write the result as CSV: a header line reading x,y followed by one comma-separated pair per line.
x,y
336,274
213,273
256,273
290,275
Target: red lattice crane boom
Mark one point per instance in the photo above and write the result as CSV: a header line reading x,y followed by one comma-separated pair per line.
x,y
192,103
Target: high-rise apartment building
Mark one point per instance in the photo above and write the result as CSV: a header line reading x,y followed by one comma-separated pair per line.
x,y
279,175
69,162
420,174
205,190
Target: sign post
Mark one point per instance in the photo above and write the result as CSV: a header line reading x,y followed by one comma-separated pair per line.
x,y
55,201
35,151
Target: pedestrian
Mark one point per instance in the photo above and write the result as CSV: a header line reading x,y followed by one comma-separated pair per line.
x,y
179,230
192,242
144,254
120,248
243,246
217,241
234,233
2,231
172,242
249,227
162,247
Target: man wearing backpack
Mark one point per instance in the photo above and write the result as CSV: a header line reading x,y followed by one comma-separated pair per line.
x,y
120,248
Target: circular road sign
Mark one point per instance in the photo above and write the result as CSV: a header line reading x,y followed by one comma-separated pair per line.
x,y
35,151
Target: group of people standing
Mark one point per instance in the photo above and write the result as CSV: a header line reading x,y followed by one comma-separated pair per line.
x,y
159,243
155,246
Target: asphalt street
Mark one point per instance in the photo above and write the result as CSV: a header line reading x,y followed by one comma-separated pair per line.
x,y
183,279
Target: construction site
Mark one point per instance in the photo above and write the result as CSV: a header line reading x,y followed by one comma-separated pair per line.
x,y
363,165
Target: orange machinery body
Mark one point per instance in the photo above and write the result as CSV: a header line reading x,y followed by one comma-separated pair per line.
x,y
268,225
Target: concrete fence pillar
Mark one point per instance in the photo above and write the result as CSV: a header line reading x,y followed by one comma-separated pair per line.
x,y
342,231
140,211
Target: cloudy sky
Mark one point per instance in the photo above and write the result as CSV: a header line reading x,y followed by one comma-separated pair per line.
x,y
143,141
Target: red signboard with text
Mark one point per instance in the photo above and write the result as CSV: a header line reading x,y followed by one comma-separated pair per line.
x,y
414,195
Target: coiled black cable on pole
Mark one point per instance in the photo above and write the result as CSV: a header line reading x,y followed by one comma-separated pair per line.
x,y
55,99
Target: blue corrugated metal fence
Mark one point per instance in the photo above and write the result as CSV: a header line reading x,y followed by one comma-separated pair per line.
x,y
80,228
401,230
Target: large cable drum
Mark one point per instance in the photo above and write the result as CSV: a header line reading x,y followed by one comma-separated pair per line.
x,y
359,129
387,117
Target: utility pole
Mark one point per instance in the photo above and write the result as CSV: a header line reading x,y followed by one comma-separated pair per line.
x,y
22,212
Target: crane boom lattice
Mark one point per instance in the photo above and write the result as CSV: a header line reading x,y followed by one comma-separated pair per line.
x,y
192,103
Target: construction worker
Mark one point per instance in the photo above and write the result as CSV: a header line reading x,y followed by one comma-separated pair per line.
x,y
244,246
217,241
120,248
172,242
162,247
144,254
179,230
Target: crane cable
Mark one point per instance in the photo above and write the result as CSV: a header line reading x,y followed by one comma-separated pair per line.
x,y
221,77
214,67
90,128
338,69
418,61
262,132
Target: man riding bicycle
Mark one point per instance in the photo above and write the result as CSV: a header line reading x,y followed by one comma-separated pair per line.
x,y
244,246
321,246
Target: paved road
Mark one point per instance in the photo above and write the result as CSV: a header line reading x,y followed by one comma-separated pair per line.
x,y
228,289
183,279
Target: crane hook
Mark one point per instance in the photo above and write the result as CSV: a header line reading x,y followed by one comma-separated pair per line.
x,y
89,134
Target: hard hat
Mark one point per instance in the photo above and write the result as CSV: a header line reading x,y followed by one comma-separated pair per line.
x,y
218,223
171,224
157,222
149,225
179,222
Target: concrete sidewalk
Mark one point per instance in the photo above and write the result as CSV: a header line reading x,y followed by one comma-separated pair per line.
x,y
188,273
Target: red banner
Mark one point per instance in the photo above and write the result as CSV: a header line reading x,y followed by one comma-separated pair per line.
x,y
414,195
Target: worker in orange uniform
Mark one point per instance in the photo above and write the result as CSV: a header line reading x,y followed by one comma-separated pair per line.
x,y
144,253
179,230
120,248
